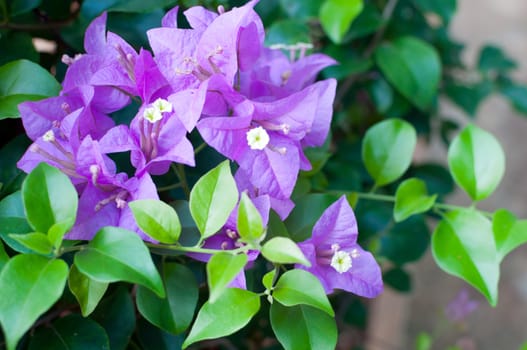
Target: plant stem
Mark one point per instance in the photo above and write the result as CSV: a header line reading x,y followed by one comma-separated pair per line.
x,y
169,187
179,170
200,148
182,249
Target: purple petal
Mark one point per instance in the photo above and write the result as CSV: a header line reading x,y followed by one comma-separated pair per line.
x,y
199,17
95,37
170,18
337,225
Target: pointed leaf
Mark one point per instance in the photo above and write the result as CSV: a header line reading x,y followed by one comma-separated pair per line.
x,y
303,327
412,198
387,150
268,278
213,198
29,285
476,161
116,254
70,333
36,241
250,226
221,270
49,199
297,287
413,67
158,219
463,245
336,17
283,250
233,310
509,232
87,291
174,313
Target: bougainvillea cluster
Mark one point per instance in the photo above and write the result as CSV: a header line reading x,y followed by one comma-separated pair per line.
x,y
259,107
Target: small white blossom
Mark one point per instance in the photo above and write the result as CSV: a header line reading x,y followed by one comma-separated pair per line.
x,y
49,136
341,261
162,105
257,138
152,114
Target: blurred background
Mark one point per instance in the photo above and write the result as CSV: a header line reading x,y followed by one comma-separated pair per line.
x,y
399,319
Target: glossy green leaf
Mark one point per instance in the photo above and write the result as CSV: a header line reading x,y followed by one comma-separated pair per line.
x,y
117,314
476,161
282,250
116,254
175,312
50,199
463,245
268,278
233,310
4,258
36,241
213,198
468,96
303,327
87,291
157,219
297,287
222,268
336,17
10,225
250,226
24,80
509,232
516,94
412,198
18,7
72,332
387,150
413,67
12,206
29,285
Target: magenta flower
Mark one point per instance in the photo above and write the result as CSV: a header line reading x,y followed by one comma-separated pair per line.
x,y
336,258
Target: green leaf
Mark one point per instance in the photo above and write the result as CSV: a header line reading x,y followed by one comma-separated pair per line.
x,y
153,338
516,94
287,32
71,332
412,198
382,94
413,67
405,241
468,96
509,232
36,241
23,80
297,287
282,250
213,198
387,150
29,285
10,225
158,219
476,161
222,268
301,9
303,327
50,199
4,258
250,225
116,314
233,310
336,17
398,279
18,7
268,278
463,245
493,58
423,341
175,312
87,291
116,254
15,45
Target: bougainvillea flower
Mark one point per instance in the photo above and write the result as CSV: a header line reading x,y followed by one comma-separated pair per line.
x,y
217,44
336,258
265,138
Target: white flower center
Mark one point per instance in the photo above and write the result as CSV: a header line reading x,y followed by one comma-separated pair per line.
x,y
257,138
341,261
49,136
162,105
152,114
